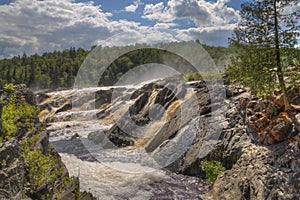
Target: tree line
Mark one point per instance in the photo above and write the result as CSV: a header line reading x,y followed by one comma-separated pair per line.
x,y
59,69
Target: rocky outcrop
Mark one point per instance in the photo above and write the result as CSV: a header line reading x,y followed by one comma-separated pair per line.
x,y
257,168
268,119
256,141
261,173
30,168
12,172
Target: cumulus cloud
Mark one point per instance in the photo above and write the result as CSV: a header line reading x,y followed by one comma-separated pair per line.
x,y
215,36
201,12
164,25
133,7
34,26
38,26
213,21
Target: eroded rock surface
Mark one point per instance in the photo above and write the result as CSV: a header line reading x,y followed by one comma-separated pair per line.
x,y
254,139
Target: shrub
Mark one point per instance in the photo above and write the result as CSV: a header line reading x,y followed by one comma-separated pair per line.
x,y
41,168
16,114
192,76
212,169
9,87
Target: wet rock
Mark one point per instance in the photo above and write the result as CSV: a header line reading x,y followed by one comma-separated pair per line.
x,y
118,137
253,139
103,97
40,97
65,107
96,136
177,186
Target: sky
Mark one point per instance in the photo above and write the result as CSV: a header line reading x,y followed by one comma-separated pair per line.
x,y
35,26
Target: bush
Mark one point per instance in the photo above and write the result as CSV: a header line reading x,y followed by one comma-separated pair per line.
x,y
16,114
207,76
41,168
212,169
192,76
9,87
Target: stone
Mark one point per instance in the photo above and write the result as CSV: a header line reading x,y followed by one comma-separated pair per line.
x,y
66,106
11,171
298,122
281,130
280,100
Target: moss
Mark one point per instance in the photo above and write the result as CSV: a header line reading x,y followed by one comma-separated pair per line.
x,y
41,168
63,186
17,114
212,169
43,173
192,76
9,87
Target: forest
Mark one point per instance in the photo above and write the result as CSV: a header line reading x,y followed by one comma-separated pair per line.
x,y
58,69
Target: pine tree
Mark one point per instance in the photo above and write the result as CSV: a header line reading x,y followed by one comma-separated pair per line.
x,y
267,31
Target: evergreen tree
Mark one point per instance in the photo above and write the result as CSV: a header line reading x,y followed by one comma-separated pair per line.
x,y
267,31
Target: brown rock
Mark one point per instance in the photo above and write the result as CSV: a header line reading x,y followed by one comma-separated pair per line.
x,y
280,100
285,117
281,131
298,122
263,122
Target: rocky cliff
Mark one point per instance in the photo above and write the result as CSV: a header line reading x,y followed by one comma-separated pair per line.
x,y
30,168
181,125
260,148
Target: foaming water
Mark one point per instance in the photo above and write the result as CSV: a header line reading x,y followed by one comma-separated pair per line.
x,y
105,170
106,182
67,130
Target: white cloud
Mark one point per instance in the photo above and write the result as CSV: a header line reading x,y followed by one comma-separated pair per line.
x,y
201,12
142,34
154,11
213,21
38,26
216,36
133,7
164,25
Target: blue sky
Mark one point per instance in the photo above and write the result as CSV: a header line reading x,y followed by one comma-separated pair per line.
x,y
34,26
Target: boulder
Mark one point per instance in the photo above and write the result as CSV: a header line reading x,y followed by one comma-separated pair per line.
x,y
261,173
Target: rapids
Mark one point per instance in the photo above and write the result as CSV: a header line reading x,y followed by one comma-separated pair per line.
x,y
109,172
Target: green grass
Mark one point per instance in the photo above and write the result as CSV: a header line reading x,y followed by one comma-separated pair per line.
x,y
212,169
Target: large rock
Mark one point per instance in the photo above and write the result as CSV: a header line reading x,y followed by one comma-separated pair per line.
x,y
12,172
256,170
261,173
